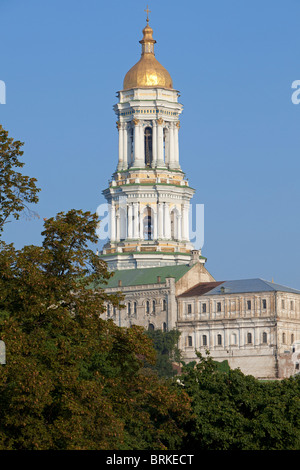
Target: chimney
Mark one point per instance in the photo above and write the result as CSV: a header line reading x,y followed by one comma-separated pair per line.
x,y
194,257
119,283
158,279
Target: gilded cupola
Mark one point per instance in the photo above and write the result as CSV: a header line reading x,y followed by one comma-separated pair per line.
x,y
147,72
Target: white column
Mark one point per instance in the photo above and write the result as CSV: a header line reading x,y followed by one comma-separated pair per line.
x,y
154,144
121,144
167,221
112,222
167,146
125,147
136,220
142,145
182,222
130,157
118,225
176,145
160,220
154,224
139,161
135,144
171,146
178,227
123,220
129,222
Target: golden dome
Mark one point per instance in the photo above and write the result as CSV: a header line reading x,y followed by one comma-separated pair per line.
x,y
147,72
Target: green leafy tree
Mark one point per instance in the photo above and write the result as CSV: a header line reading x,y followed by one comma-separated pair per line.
x,y
73,380
165,344
232,411
16,190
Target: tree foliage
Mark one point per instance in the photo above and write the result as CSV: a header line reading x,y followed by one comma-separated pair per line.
x,y
16,190
73,380
232,411
167,352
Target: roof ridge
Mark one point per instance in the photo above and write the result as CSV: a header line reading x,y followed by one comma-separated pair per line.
x,y
276,284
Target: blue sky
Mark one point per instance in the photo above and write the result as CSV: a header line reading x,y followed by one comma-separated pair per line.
x,y
234,63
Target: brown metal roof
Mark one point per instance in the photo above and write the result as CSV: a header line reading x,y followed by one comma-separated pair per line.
x,y
200,289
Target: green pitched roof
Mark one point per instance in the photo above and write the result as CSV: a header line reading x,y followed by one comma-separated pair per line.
x,y
138,277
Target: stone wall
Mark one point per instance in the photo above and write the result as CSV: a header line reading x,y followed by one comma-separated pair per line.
x,y
149,304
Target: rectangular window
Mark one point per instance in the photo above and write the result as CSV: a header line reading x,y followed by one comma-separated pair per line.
x,y
218,306
204,340
264,304
282,304
292,305
189,308
265,337
249,304
203,308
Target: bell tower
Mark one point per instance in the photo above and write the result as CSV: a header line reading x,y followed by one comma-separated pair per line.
x,y
148,195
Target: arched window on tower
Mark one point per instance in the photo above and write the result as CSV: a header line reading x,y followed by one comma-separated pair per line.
x,y
148,224
148,146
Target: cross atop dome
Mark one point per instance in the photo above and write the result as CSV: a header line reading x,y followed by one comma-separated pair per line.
x,y
147,11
